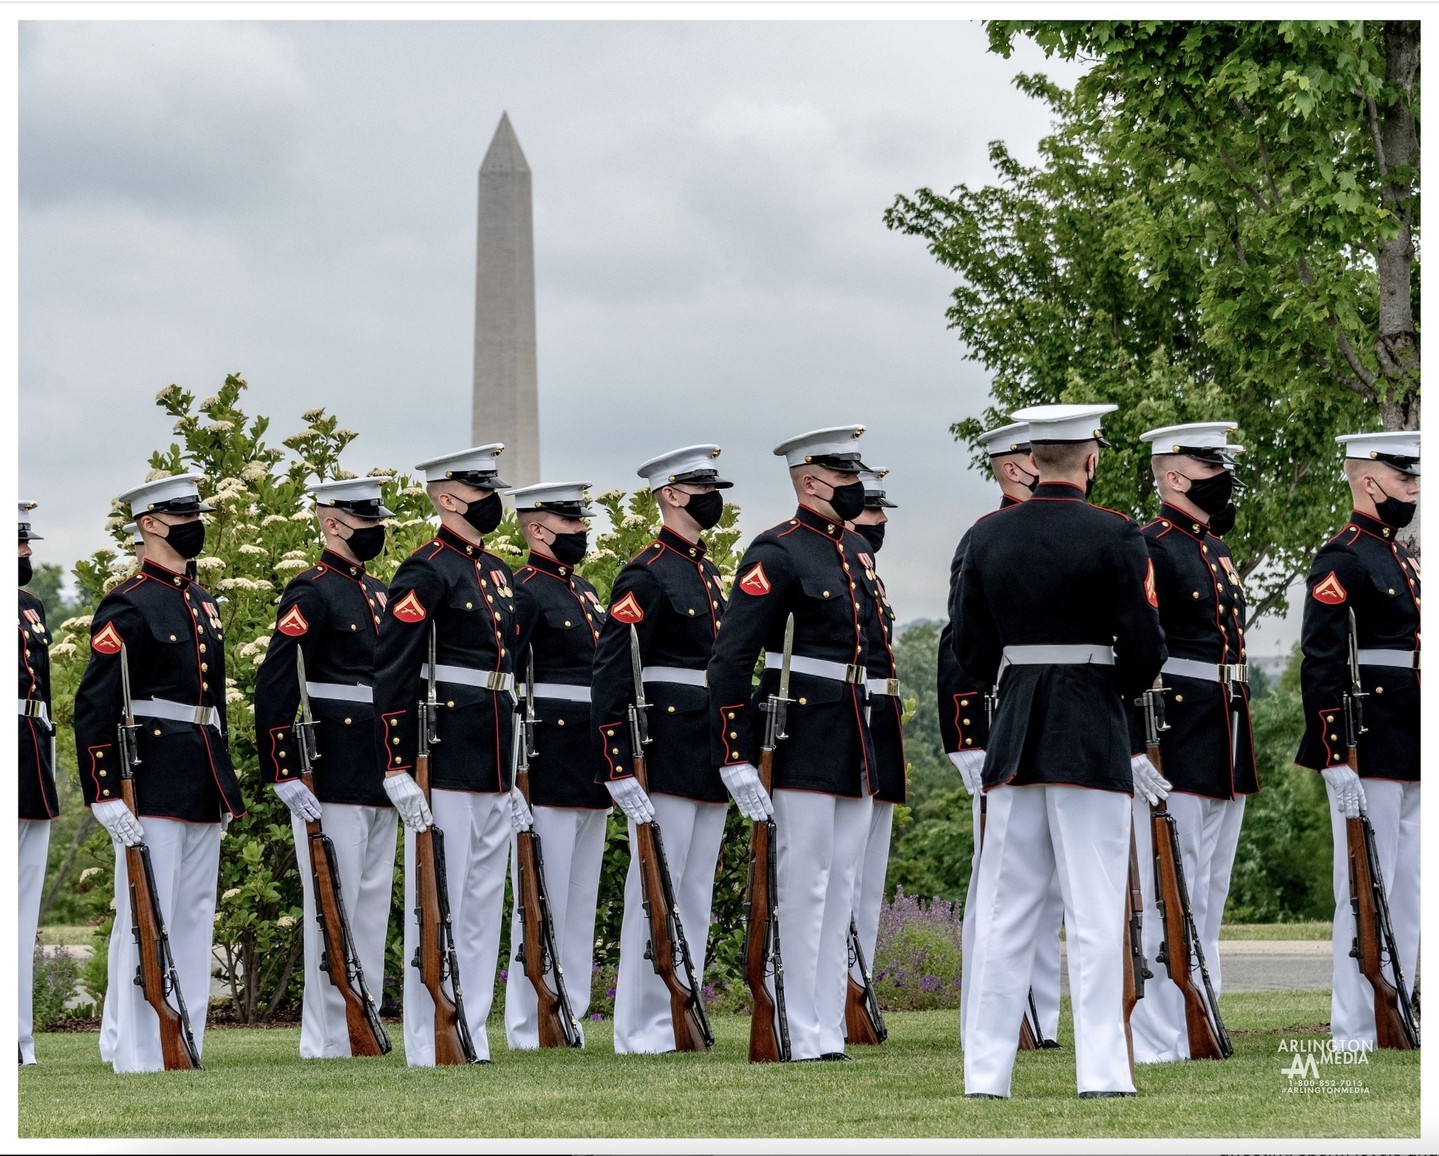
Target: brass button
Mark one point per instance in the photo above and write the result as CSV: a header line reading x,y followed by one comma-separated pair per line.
x,y
1333,738
451,703
567,622
968,742
966,722
282,753
204,666
396,740
202,648
172,638
397,758
729,714
394,722
734,734
559,722
348,722
101,754
671,710
1378,690
692,611
610,734
964,702
803,701
614,750
826,593
471,605
107,793
1178,698
1196,595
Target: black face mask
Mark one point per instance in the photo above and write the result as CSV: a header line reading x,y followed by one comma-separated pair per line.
x,y
26,571
847,501
186,538
568,549
1393,511
1211,494
873,534
484,514
1033,479
1089,485
365,542
1222,521
705,508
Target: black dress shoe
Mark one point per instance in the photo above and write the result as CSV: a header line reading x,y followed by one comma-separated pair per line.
x,y
1105,1095
833,1056
982,1096
1049,1043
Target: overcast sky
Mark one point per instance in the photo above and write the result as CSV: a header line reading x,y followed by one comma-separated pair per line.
x,y
295,201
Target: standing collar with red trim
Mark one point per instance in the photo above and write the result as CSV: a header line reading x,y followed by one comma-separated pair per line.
x,y
1005,501
164,576
682,545
458,542
547,565
1381,530
829,527
342,565
1182,521
1064,491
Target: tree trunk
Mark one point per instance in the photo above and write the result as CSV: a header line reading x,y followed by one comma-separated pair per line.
x,y
1397,343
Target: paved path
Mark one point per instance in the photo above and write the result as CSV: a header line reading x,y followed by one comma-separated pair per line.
x,y
1268,965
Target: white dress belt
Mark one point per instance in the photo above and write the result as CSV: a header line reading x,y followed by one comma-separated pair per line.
x,y
677,674
468,676
205,716
35,708
888,686
341,691
1408,659
557,690
1059,654
818,668
1222,672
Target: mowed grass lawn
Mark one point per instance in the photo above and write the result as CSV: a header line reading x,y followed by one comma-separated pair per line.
x,y
255,1085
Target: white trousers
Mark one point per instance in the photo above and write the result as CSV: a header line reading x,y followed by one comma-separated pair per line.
x,y
1033,832
186,861
572,847
869,881
477,837
1044,971
820,841
692,832
34,851
1393,810
364,839
1208,831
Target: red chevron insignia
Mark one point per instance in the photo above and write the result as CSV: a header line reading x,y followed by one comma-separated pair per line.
x,y
293,623
755,582
410,609
108,641
628,609
1330,591
1150,591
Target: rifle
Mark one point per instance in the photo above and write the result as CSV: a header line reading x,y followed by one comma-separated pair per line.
x,y
863,1021
537,952
338,957
435,954
760,955
667,947
1138,970
1029,1033
1374,942
155,974
1207,1038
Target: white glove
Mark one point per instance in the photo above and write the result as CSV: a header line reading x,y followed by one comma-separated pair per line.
x,y
409,801
630,798
1148,781
299,798
117,818
741,780
521,817
1348,791
970,765
225,820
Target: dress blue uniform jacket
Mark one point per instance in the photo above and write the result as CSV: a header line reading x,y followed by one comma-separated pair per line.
x,y
1201,607
886,715
671,593
36,750
175,647
1364,569
809,566
1057,571
331,614
559,620
467,595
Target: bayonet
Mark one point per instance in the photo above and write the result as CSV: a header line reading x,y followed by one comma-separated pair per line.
x,y
305,728
129,728
639,724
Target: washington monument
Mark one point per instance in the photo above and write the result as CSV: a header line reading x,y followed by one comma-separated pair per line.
x,y
506,405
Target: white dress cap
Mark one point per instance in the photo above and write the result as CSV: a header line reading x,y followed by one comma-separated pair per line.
x,y
833,447
569,499
1007,439
475,466
133,530
26,533
174,495
692,465
874,495
358,496
1398,448
1064,423
1206,441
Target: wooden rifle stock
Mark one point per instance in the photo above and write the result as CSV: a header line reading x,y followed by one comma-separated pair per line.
x,y
1374,940
863,1020
435,956
340,961
1136,971
538,954
768,1024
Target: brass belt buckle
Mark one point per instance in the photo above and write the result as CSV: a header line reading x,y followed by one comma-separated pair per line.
x,y
854,674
